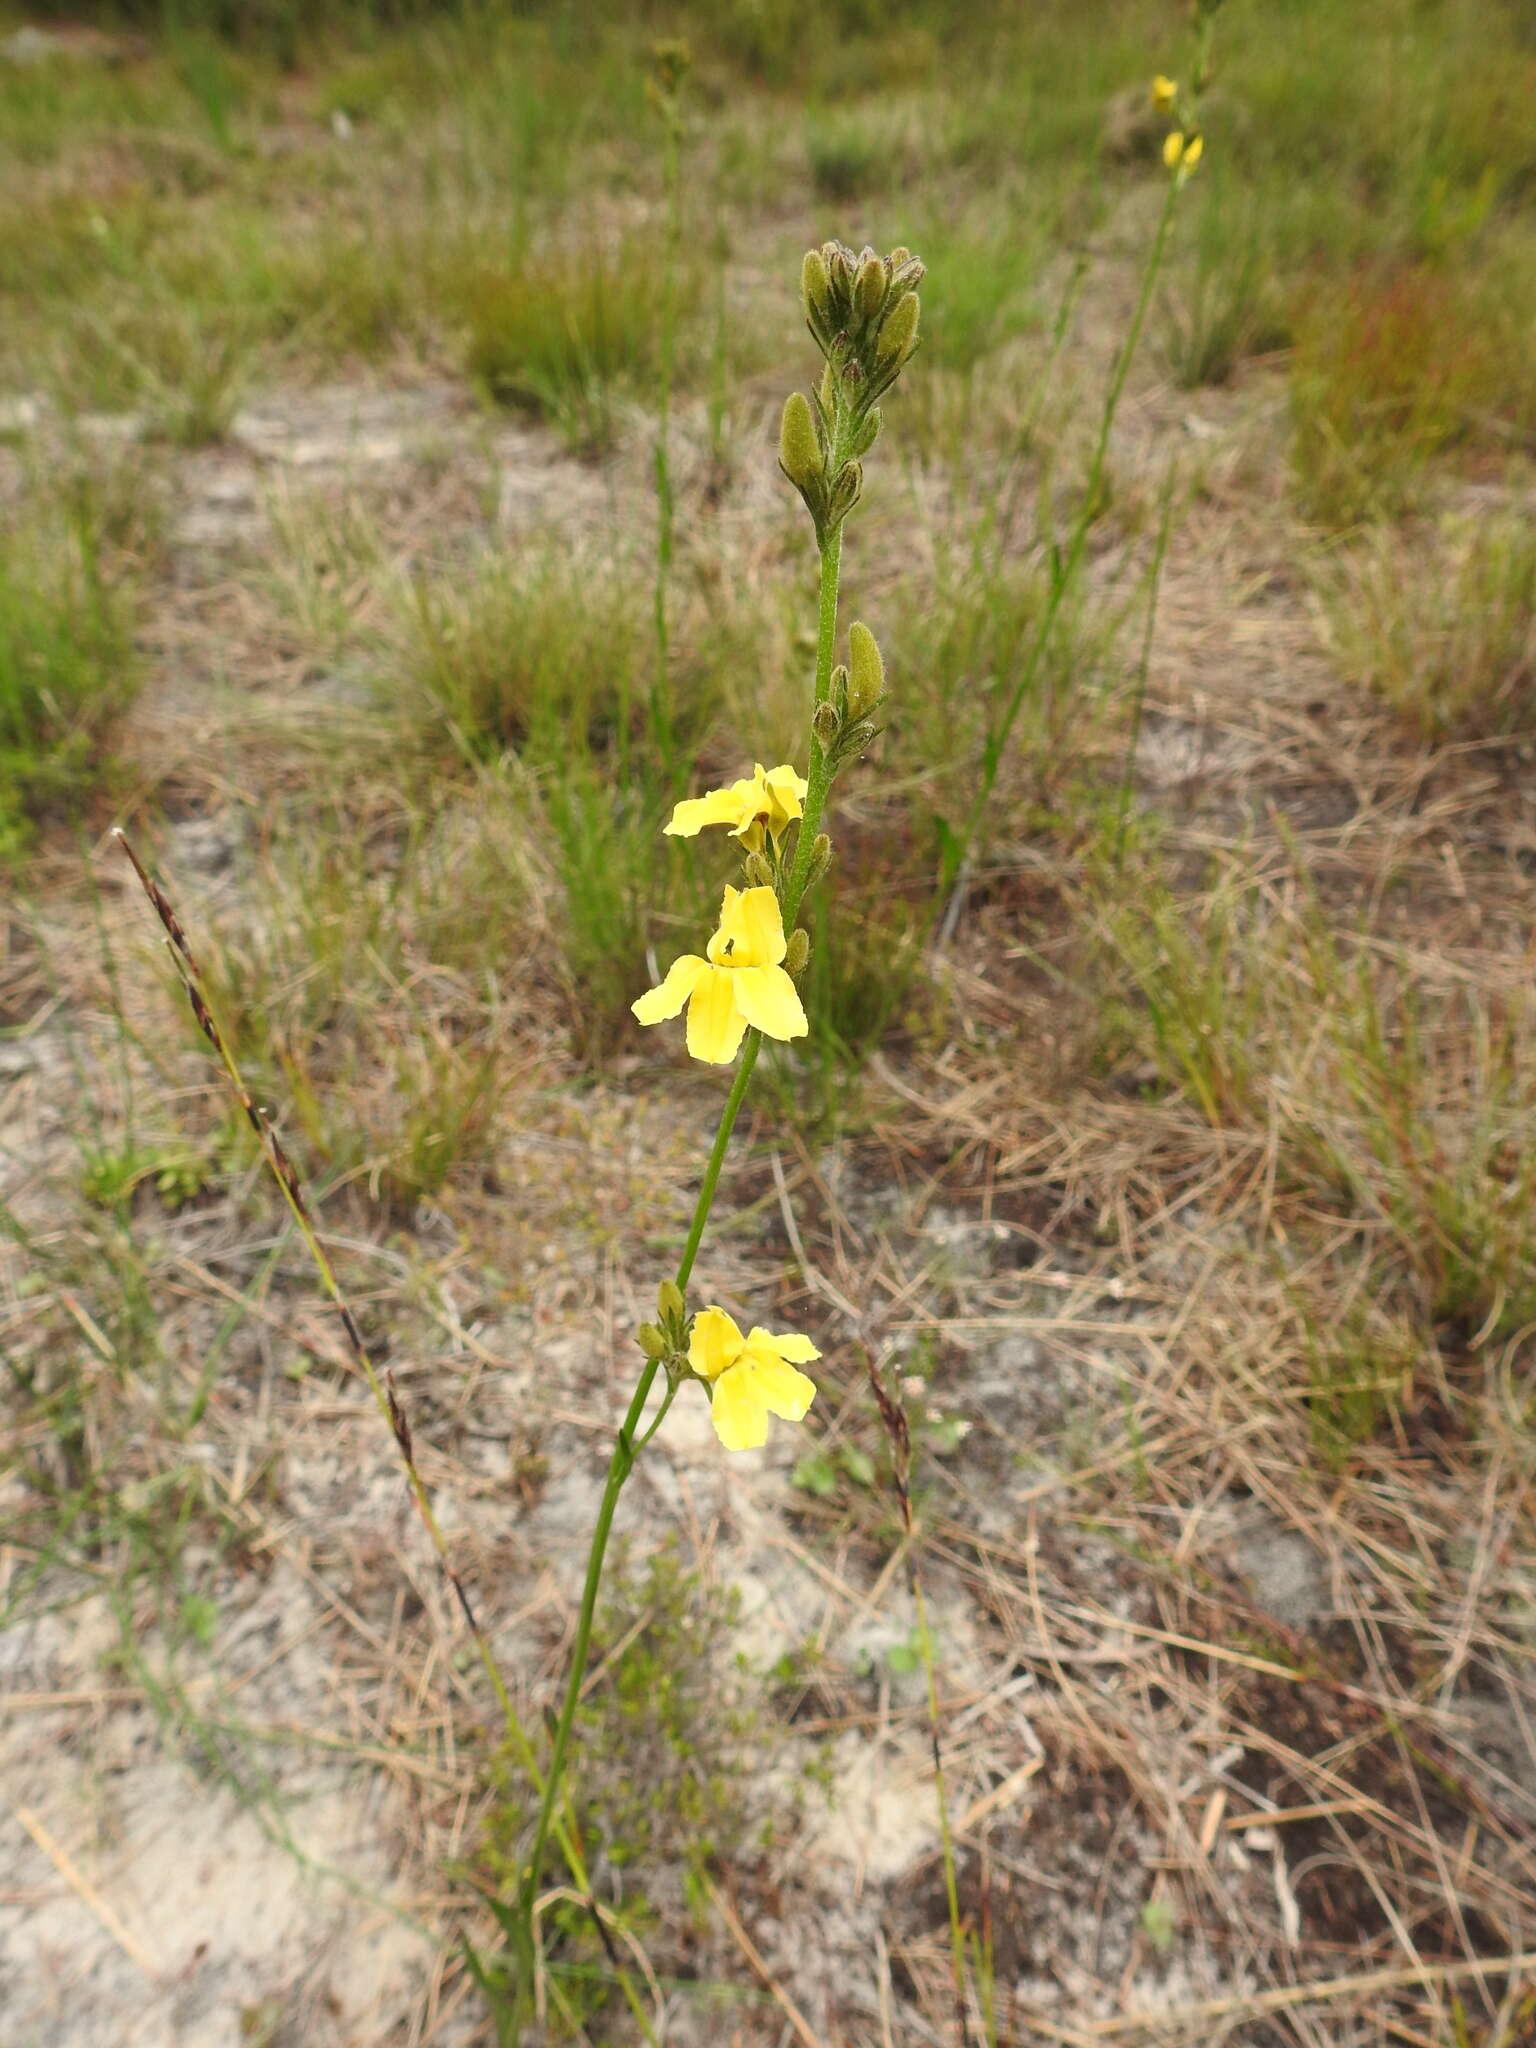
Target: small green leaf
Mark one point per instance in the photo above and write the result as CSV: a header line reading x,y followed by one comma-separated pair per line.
x,y
858,1465
1157,1924
199,1617
816,1474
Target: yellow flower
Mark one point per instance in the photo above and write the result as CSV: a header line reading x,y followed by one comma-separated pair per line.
x,y
750,1378
1164,92
773,799
741,983
1181,153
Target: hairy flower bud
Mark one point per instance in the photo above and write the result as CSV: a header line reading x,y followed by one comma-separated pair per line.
x,y
869,287
821,858
757,871
866,671
797,951
825,723
799,450
669,1301
815,285
898,335
845,492
651,1341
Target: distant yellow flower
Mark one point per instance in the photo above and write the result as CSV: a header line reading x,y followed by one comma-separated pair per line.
x,y
1182,152
750,1378
741,983
772,798
1164,92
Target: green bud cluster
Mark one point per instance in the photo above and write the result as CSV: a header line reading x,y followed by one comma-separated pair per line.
x,y
862,311
666,1340
844,721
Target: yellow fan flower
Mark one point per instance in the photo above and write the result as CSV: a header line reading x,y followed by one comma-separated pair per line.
x,y
741,983
750,1378
1164,92
772,798
1182,152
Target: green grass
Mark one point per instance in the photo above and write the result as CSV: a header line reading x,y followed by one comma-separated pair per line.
x,y
1444,628
564,330
1219,305
67,667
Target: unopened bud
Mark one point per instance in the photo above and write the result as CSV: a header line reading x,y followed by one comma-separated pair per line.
x,y
869,433
799,450
797,950
899,255
838,689
651,1341
869,287
825,723
898,335
669,1301
757,871
821,858
866,671
1164,92
828,392
815,285
845,492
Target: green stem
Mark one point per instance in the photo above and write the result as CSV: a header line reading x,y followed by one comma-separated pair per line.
x,y
625,1450
619,1466
629,1444
1063,576
819,773
707,1186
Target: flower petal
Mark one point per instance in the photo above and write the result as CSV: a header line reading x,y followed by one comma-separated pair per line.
x,y
725,938
715,807
786,792
737,1411
789,1344
769,1000
716,1343
716,1025
669,996
780,1389
751,930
